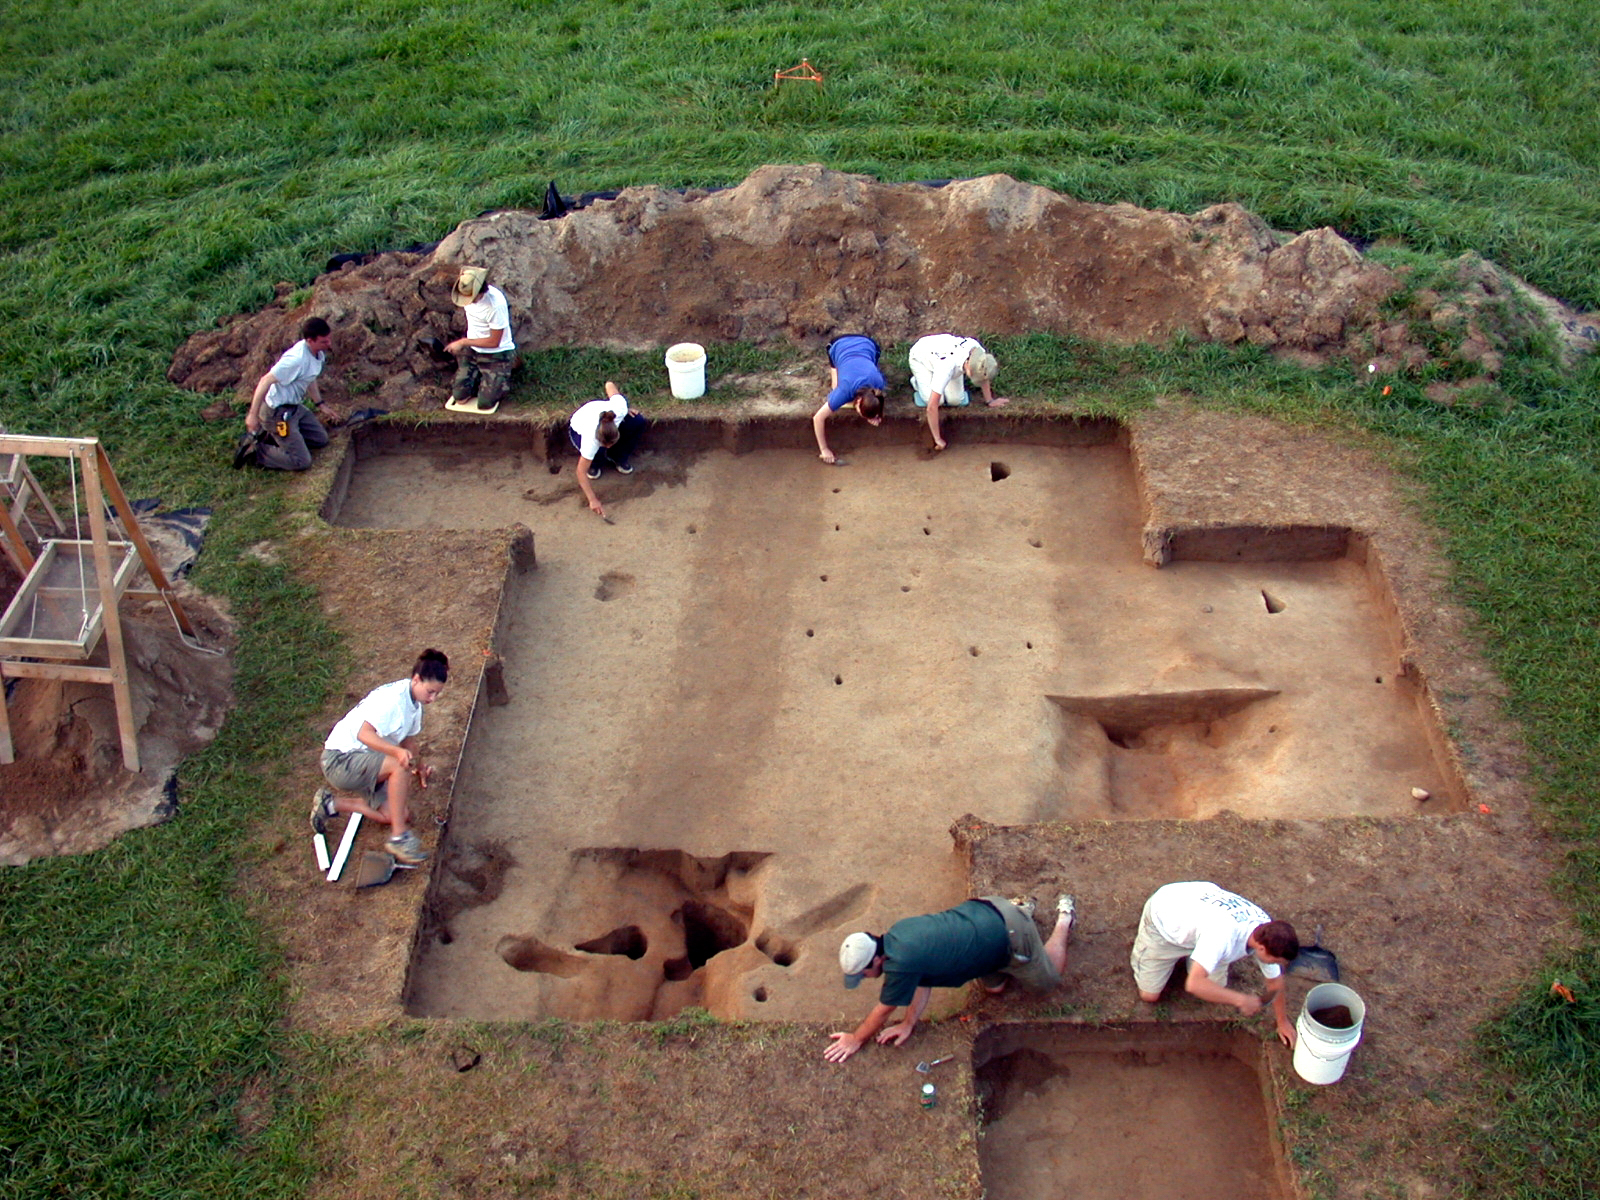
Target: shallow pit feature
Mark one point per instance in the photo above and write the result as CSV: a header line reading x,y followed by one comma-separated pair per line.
x,y
1147,1112
661,694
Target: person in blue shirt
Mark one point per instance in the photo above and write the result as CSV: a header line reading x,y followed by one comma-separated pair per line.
x,y
853,379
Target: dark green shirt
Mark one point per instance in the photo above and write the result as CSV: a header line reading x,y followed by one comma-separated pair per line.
x,y
943,949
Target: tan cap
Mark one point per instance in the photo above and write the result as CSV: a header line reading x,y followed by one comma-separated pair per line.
x,y
469,285
981,366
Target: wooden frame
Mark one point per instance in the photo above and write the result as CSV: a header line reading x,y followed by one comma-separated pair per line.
x,y
20,489
114,563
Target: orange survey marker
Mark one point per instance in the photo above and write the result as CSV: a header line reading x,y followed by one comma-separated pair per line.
x,y
805,73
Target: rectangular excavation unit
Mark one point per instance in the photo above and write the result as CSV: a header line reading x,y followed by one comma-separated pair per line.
x,y
1152,1112
742,717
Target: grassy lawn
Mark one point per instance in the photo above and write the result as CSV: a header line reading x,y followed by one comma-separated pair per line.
x,y
163,165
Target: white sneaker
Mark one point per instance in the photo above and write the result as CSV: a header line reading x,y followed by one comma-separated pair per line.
x,y
1067,909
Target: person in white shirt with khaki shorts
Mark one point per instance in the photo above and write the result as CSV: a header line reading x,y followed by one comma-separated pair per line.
x,y
1212,929
373,749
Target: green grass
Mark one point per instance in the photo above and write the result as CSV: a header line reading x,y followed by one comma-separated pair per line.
x,y
162,166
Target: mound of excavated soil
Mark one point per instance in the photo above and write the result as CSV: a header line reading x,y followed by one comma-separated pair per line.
x,y
68,791
804,253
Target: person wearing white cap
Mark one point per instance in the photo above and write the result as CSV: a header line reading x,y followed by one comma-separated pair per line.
x,y
488,352
992,939
941,363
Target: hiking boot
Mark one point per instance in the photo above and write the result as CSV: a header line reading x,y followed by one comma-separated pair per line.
x,y
322,810
594,470
1027,904
624,467
406,848
245,451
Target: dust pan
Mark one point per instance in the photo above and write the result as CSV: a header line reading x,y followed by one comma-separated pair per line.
x,y
376,868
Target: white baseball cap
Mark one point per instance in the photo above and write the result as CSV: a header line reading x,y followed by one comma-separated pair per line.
x,y
856,953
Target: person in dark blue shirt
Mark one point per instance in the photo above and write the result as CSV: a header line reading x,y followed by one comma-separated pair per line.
x,y
992,939
853,379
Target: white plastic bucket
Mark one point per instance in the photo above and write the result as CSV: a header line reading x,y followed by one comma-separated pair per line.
x,y
686,370
1321,1052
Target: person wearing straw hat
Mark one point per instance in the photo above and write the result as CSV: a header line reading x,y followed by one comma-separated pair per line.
x,y
941,363
990,939
488,352
854,380
1212,928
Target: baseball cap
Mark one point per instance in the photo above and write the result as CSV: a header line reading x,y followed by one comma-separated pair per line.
x,y
856,953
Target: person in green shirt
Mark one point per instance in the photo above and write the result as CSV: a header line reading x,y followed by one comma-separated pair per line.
x,y
992,939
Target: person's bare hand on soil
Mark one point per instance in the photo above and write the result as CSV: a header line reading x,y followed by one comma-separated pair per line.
x,y
896,1035
843,1046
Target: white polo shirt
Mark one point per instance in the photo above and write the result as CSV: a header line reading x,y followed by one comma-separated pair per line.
x,y
294,374
390,709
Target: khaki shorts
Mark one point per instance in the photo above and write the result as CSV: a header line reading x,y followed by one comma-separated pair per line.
x,y
1029,965
353,770
1154,957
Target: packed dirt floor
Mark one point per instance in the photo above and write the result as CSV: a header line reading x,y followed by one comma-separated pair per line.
x,y
610,778
765,662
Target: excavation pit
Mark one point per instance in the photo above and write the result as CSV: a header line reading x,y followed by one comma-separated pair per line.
x,y
763,655
1143,1112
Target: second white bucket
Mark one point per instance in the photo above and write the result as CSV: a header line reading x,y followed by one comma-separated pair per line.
x,y
1329,1028
686,370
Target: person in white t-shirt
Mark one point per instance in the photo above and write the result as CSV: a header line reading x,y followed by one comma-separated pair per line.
x,y
941,363
488,352
374,749
604,430
283,429
1212,928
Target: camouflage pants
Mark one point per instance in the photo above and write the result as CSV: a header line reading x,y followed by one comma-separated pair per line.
x,y
487,376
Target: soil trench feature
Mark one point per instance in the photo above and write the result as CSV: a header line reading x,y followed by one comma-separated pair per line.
x,y
1159,1113
804,674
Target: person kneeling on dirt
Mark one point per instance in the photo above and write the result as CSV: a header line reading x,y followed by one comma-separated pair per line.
x,y
1212,928
604,429
940,365
853,379
992,939
282,431
488,352
373,748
